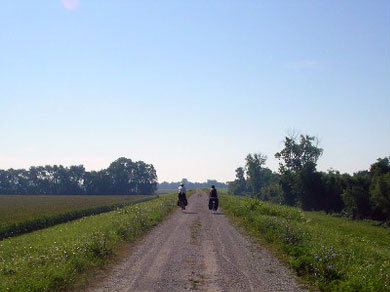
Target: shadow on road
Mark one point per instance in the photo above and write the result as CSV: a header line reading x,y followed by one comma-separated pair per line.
x,y
218,213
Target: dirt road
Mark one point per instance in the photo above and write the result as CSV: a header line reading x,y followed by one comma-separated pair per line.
x,y
197,250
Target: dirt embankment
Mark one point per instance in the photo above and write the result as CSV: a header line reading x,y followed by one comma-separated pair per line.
x,y
197,250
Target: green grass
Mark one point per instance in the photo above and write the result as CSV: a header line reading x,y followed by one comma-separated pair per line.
x,y
53,258
19,208
165,191
334,254
71,209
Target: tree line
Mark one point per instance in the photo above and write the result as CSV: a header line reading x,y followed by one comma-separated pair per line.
x,y
191,185
365,194
122,177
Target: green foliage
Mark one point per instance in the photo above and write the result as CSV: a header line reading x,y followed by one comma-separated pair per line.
x,y
366,194
336,254
333,184
301,183
380,194
132,178
296,155
356,196
256,180
238,186
123,176
191,185
254,171
380,187
51,259
272,192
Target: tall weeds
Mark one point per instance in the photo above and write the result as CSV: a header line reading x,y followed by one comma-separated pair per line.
x,y
334,254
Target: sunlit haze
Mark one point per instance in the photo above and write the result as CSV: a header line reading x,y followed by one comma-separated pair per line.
x,y
70,4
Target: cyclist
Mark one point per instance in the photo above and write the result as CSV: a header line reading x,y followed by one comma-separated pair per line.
x,y
181,196
213,198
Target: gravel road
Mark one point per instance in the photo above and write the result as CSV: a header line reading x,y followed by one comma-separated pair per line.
x,y
197,250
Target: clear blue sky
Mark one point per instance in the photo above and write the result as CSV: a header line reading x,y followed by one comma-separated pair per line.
x,y
192,86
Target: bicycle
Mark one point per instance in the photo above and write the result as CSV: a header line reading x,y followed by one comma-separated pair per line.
x,y
182,201
213,204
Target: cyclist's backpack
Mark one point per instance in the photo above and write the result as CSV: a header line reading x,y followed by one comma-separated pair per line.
x,y
213,193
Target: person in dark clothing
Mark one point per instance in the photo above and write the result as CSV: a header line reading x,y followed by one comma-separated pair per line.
x,y
181,197
213,198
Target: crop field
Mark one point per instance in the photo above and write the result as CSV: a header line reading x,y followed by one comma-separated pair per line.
x,y
51,259
165,191
22,214
19,208
334,254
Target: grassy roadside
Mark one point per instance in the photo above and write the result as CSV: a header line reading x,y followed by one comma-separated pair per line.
x,y
335,254
36,222
52,259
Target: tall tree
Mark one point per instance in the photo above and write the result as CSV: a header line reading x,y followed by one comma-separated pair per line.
x,y
131,178
144,178
296,155
123,176
76,179
253,169
121,172
333,186
238,186
240,178
298,160
380,188
356,196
